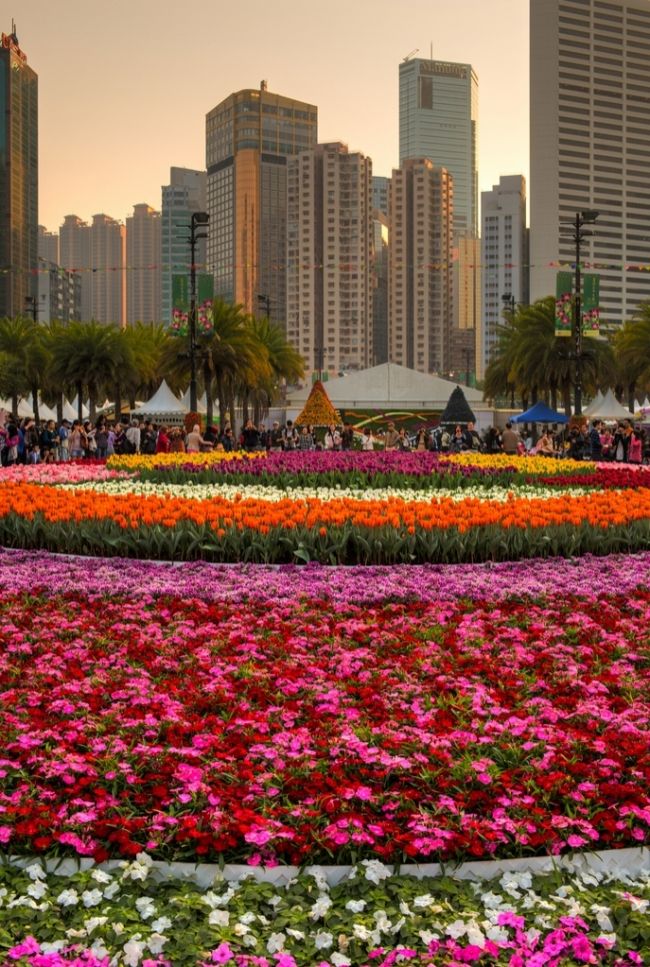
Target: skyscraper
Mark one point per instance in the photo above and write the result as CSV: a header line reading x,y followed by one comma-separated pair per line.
x,y
18,177
329,257
107,261
438,119
143,265
589,144
420,287
75,255
184,195
249,137
48,245
504,257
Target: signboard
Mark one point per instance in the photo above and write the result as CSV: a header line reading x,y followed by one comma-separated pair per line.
x,y
563,303
181,290
590,307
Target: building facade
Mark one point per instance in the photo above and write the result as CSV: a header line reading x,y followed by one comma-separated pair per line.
x,y
48,245
467,307
75,255
185,194
380,193
249,137
438,119
59,293
589,144
143,275
504,258
381,241
107,261
18,178
420,277
329,258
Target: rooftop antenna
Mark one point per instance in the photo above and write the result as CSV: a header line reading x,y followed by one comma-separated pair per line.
x,y
431,51
13,31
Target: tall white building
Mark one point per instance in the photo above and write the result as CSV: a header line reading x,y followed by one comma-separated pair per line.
x,y
185,194
75,255
590,143
329,257
420,275
438,119
504,259
143,265
107,261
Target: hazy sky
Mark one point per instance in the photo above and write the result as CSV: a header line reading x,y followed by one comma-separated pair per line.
x,y
124,86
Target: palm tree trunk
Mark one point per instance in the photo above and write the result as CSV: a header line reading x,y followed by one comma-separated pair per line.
x,y
244,407
35,404
631,390
59,409
14,404
80,415
221,401
92,403
118,402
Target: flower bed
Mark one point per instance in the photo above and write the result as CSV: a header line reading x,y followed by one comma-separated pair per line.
x,y
373,918
273,728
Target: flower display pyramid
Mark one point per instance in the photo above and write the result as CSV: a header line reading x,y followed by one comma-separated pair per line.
x,y
318,410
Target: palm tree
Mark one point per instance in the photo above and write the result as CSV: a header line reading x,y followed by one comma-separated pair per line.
x,y
26,359
284,363
89,356
631,346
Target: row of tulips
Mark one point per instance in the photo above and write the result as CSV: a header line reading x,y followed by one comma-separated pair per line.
x,y
373,529
129,916
274,728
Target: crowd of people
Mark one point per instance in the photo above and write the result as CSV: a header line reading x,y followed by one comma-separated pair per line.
x,y
23,441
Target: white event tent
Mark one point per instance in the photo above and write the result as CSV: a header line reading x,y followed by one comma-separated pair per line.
x,y
609,409
163,405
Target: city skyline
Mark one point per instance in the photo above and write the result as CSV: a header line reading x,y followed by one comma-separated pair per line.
x,y
108,135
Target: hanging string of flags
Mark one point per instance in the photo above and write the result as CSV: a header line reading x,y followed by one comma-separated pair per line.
x,y
327,266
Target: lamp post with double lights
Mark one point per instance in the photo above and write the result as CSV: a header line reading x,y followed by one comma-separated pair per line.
x,y
197,219
574,228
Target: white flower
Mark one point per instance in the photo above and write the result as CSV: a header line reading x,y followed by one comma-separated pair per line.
x,y
98,949
376,871
274,901
475,935
318,874
248,917
145,907
456,929
296,934
53,946
422,901
360,932
111,890
355,906
93,922
405,909
340,960
219,900
132,952
37,889
426,936
320,907
161,924
323,940
139,869
118,928
602,916
91,898
250,940
35,872
240,929
156,942
68,898
492,901
219,918
275,943
99,876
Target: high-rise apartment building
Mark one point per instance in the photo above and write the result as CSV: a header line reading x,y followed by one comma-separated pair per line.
x,y
420,284
185,194
75,255
467,306
380,193
249,137
380,284
48,245
143,265
589,144
438,119
18,177
59,293
329,257
504,258
107,261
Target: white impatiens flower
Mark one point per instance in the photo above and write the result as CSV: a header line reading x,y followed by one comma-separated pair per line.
x,y
161,924
427,936
92,898
145,907
99,950
497,934
602,916
68,898
376,871
139,869
156,942
355,906
340,960
219,918
320,907
132,951
93,922
35,872
475,935
422,901
100,876
111,890
37,889
323,940
248,917
456,929
360,931
296,934
275,943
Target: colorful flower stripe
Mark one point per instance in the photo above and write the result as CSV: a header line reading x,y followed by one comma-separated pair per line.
x,y
93,579
127,917
600,510
277,730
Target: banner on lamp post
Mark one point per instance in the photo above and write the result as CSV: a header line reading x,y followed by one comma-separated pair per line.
x,y
563,303
590,306
180,293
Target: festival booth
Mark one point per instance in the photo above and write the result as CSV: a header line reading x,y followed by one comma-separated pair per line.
x,y
163,407
609,409
540,413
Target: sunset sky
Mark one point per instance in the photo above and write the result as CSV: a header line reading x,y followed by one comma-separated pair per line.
x,y
124,87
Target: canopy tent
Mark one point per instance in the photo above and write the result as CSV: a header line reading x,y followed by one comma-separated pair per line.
x,y
69,412
201,404
595,405
457,409
540,413
26,409
75,407
163,405
610,409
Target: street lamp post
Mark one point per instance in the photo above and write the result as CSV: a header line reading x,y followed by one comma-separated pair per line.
x,y
574,228
198,218
509,303
33,306
265,300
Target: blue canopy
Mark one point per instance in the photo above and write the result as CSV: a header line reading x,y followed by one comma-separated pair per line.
x,y
540,413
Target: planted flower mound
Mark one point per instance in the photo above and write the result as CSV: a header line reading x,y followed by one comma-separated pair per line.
x,y
273,727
